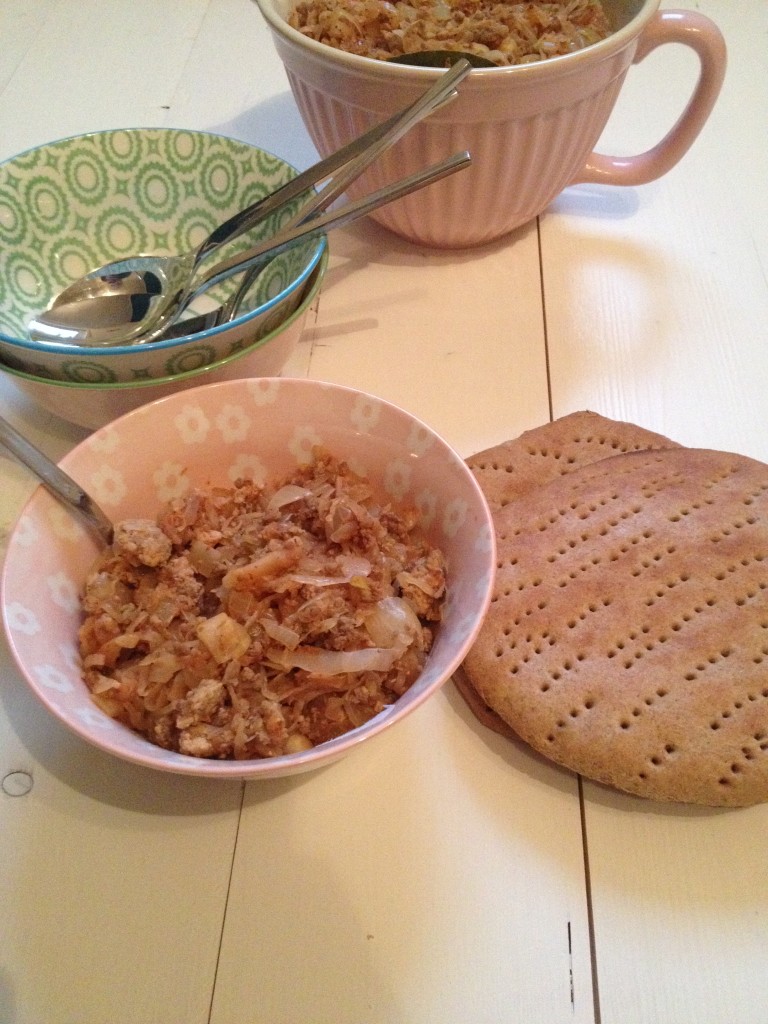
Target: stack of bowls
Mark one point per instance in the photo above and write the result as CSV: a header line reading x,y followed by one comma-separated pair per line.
x,y
69,207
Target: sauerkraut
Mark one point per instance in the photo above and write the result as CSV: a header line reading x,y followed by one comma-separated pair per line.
x,y
505,33
249,622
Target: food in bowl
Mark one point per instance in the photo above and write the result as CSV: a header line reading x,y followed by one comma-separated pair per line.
x,y
504,33
253,621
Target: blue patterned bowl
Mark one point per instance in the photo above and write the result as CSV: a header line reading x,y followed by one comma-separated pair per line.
x,y
71,206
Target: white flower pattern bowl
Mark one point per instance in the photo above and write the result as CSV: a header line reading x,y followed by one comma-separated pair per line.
x,y
93,405
250,428
71,206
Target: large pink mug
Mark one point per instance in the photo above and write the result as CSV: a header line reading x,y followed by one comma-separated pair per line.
x,y
531,128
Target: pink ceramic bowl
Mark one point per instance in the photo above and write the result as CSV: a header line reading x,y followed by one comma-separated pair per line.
x,y
211,436
530,128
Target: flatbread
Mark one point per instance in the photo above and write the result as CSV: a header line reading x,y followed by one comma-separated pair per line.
x,y
627,638
509,470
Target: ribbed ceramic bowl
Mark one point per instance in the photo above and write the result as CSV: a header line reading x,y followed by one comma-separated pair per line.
x,y
212,436
71,206
530,128
93,405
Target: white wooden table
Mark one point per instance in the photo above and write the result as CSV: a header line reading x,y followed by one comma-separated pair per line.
x,y
443,876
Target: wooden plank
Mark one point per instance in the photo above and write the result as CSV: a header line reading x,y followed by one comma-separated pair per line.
x,y
398,321
93,65
657,297
434,875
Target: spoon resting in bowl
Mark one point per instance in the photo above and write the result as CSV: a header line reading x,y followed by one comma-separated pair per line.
x,y
118,320
138,297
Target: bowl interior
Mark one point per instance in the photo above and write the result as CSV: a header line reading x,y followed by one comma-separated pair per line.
x,y
71,206
620,13
259,428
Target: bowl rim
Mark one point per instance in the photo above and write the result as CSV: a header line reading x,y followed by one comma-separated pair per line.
x,y
311,290
75,351
286,764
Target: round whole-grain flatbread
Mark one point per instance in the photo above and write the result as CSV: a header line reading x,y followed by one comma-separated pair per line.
x,y
512,469
509,470
627,638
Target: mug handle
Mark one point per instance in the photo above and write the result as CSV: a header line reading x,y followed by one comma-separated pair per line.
x,y
704,37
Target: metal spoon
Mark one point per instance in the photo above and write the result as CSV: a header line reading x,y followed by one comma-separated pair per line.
x,y
441,59
143,293
59,483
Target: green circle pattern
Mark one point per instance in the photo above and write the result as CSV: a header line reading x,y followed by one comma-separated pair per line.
x,y
216,167
124,231
13,218
86,178
121,151
193,357
47,202
182,151
157,191
80,371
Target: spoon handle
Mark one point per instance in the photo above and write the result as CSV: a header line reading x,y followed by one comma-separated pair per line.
x,y
358,153
56,480
336,218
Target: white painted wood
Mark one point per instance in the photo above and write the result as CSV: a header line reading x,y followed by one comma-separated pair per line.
x,y
398,321
435,876
657,297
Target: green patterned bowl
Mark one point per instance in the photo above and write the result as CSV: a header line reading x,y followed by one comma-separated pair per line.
x,y
71,206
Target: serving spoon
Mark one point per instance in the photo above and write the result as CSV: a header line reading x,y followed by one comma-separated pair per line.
x,y
137,297
59,483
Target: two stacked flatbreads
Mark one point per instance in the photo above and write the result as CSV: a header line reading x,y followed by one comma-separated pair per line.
x,y
627,638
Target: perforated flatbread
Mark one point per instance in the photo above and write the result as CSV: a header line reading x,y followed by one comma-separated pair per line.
x,y
509,470
627,638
